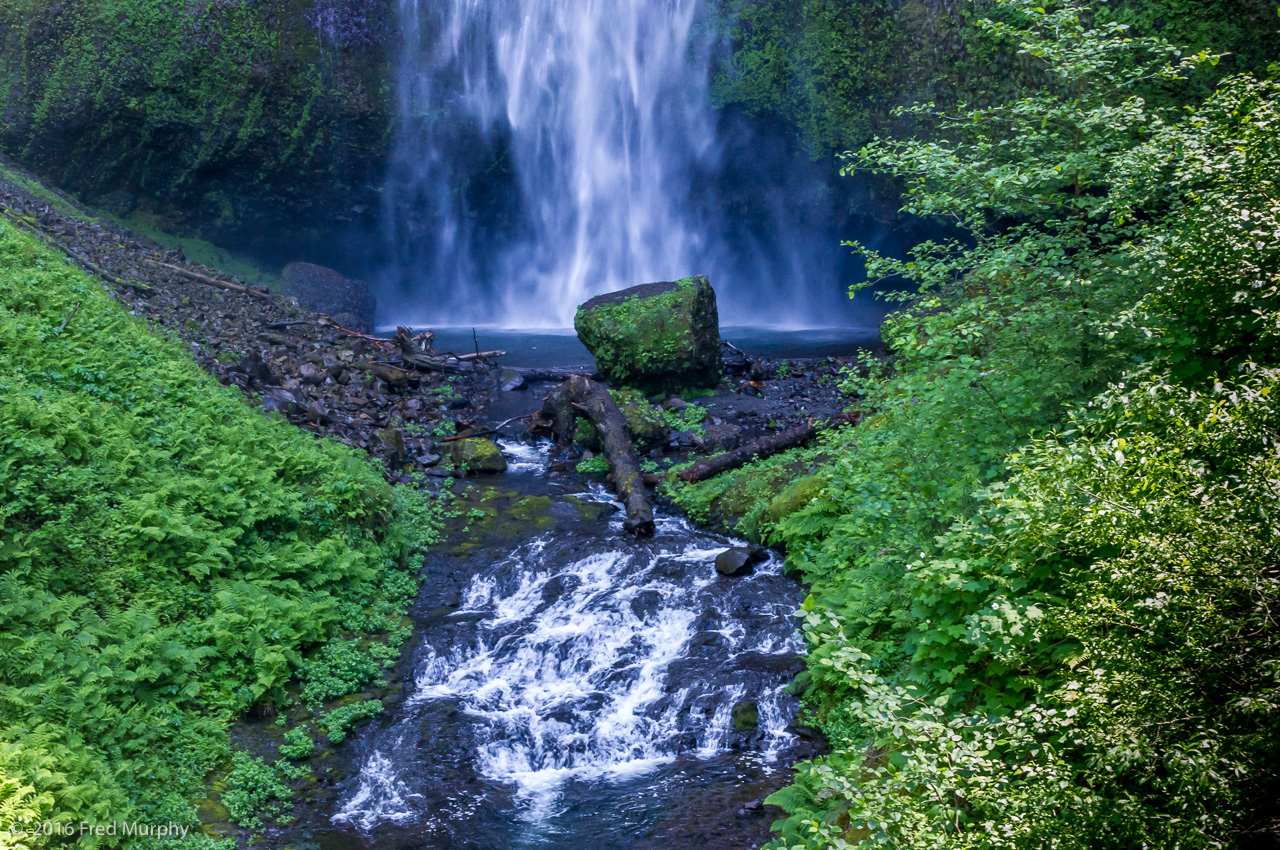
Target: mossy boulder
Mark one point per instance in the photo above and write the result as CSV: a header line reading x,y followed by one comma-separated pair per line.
x,y
657,336
746,716
797,495
475,454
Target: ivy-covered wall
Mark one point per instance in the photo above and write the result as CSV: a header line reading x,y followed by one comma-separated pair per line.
x,y
253,122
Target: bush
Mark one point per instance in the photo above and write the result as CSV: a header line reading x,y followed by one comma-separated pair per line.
x,y
339,721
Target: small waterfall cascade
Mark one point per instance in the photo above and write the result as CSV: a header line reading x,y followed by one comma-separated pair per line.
x,y
583,686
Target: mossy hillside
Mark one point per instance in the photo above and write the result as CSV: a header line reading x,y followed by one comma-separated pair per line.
x,y
218,117
168,555
659,338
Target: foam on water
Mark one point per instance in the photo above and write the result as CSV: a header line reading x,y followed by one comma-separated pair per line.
x,y
567,671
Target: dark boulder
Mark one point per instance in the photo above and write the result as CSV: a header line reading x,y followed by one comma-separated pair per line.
x,y
348,302
657,336
740,559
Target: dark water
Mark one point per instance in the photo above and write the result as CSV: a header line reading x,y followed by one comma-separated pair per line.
x,y
570,687
556,348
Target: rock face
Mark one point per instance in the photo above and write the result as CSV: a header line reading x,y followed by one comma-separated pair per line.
x,y
657,336
475,454
348,302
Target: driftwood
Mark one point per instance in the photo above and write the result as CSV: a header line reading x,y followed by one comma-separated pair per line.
x,y
392,376
593,399
763,447
221,284
431,361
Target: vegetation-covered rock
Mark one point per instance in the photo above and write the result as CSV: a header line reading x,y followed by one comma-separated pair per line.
x,y
654,336
476,454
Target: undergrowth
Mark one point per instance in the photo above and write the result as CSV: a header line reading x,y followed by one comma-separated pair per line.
x,y
168,558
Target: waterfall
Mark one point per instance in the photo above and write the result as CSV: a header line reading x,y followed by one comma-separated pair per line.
x,y
546,152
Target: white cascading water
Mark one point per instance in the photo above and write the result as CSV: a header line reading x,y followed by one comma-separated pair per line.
x,y
577,661
596,119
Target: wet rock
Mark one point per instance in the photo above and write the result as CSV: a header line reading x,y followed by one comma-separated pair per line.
x,y
476,454
722,437
654,336
746,716
256,369
739,560
392,440
326,291
510,380
281,400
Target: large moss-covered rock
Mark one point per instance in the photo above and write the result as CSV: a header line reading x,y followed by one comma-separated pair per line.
x,y
476,454
654,336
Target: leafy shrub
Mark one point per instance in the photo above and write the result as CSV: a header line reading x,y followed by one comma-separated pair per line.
x,y
1042,567
297,743
594,465
254,790
339,721
342,668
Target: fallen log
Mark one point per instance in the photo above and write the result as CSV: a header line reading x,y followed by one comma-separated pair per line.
x,y
220,284
764,447
593,399
432,362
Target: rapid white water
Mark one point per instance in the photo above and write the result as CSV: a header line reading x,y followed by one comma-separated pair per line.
x,y
576,661
583,123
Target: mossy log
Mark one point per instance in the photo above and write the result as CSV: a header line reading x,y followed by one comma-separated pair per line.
x,y
764,447
593,400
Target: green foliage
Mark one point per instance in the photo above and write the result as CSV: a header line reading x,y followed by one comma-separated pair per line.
x,y
1042,566
342,668
339,721
297,744
254,790
594,465
167,554
836,70
201,111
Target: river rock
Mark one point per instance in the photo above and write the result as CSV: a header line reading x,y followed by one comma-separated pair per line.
x,y
655,336
746,716
348,302
739,559
510,380
476,454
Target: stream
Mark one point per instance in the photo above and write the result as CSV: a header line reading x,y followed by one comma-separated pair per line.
x,y
569,686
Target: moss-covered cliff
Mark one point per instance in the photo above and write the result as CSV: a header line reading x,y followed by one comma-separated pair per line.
x,y
834,69
251,122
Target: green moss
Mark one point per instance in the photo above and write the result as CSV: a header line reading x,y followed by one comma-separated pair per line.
x,y
797,494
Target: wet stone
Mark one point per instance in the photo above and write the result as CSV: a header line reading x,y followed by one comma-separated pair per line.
x,y
739,560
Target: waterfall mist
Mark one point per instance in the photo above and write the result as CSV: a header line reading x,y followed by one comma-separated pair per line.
x,y
551,150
